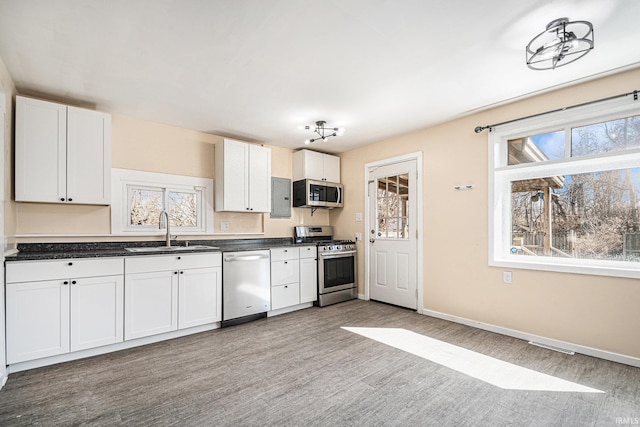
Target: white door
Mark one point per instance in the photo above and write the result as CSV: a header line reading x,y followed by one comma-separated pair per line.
x,y
150,304
259,178
97,305
199,297
37,319
331,168
41,151
88,156
392,234
308,274
234,180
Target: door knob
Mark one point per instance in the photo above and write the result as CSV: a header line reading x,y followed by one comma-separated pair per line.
x,y
372,240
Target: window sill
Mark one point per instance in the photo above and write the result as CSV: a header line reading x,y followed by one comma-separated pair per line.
x,y
595,268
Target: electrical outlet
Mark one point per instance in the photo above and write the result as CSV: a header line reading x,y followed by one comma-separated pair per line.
x,y
507,277
358,236
224,225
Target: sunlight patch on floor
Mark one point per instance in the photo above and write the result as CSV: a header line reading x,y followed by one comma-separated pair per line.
x,y
488,369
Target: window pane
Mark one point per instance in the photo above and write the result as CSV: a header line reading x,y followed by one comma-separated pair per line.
x,y
588,216
183,209
537,148
145,206
392,206
614,135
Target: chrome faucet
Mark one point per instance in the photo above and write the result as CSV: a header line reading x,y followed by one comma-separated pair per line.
x,y
165,214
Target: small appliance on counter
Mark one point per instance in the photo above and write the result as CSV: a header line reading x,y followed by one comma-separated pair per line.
x,y
336,264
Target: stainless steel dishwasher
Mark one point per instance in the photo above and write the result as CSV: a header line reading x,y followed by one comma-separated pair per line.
x,y
246,286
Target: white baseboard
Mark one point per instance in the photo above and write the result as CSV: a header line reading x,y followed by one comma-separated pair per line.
x,y
289,309
4,381
38,363
361,296
589,351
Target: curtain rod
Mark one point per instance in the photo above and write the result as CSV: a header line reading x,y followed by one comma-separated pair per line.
x,y
479,129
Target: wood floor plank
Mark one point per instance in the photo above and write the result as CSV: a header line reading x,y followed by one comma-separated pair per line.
x,y
302,368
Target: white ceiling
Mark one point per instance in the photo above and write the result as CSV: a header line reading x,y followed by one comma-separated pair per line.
x,y
257,69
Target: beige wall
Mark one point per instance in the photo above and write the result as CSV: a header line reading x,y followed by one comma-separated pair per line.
x,y
154,147
7,168
593,311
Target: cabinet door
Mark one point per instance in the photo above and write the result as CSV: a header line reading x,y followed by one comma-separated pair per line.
x,y
88,156
97,305
284,254
331,168
40,170
259,178
314,165
150,303
199,297
308,280
285,296
37,320
285,272
231,176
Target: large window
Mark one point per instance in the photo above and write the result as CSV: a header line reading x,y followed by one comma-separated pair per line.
x,y
140,197
566,191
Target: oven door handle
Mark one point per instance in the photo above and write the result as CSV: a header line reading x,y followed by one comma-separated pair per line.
x,y
337,254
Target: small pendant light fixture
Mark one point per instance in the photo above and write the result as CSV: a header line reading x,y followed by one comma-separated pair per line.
x,y
324,133
560,44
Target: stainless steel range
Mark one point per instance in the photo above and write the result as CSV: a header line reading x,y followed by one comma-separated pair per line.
x,y
336,264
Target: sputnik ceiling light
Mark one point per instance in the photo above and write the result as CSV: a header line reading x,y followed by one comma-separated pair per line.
x,y
560,44
324,133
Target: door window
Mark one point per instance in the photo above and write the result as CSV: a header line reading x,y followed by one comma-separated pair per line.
x,y
392,207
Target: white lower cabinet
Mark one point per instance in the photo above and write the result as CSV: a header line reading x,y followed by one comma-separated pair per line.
x,y
199,302
164,293
285,295
37,320
308,278
96,312
293,276
150,304
79,308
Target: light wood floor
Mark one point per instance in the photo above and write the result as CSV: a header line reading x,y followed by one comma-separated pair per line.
x,y
302,369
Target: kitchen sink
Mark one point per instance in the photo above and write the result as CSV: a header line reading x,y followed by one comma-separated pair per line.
x,y
170,248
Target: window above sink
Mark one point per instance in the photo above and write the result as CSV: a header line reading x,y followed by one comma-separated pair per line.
x,y
139,197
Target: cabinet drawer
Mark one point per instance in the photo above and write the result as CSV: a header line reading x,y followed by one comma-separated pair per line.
x,y
285,296
141,264
285,272
31,271
280,254
308,252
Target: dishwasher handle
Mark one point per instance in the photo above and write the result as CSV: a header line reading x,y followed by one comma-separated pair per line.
x,y
251,257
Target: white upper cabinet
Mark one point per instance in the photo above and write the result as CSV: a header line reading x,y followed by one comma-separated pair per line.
x,y
243,177
309,164
63,153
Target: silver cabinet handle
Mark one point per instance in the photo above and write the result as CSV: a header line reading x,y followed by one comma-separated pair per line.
x,y
245,258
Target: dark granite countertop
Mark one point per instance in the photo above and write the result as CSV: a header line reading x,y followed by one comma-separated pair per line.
x,y
51,251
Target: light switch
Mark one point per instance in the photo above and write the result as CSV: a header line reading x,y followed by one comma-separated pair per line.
x,y
358,216
507,277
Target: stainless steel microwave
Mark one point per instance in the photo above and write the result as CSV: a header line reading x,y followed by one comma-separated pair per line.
x,y
308,193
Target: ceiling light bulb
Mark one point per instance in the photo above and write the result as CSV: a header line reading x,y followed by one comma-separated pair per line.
x,y
307,141
324,138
